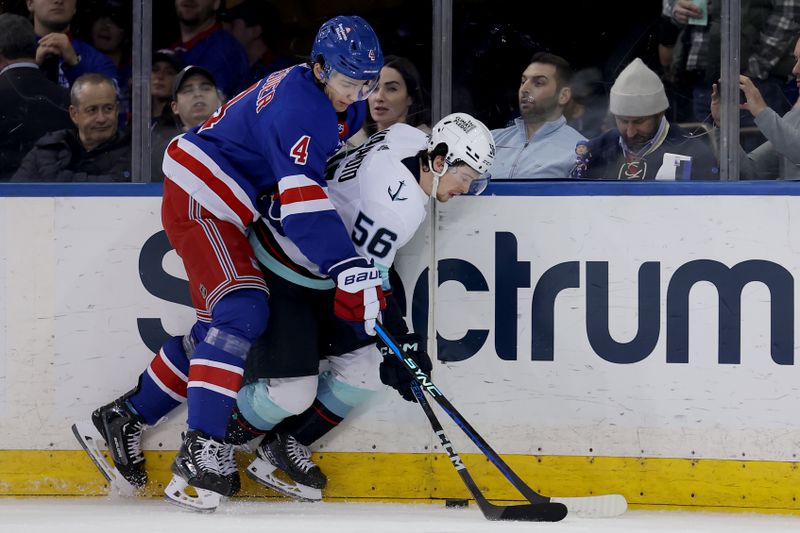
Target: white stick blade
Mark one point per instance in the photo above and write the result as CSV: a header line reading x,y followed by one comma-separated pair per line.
x,y
603,506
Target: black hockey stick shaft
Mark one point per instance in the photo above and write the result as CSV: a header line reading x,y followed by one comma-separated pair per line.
x,y
540,512
425,383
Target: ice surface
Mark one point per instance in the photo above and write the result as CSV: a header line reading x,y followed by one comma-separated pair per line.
x,y
106,515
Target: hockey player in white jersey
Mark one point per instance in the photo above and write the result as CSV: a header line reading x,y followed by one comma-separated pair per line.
x,y
380,190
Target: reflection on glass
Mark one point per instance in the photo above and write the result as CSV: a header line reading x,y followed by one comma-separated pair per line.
x,y
31,106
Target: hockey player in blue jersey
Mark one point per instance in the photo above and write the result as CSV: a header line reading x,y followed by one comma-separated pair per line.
x,y
381,191
272,140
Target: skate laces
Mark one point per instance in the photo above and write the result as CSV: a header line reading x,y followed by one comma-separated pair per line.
x,y
227,462
207,456
133,440
299,454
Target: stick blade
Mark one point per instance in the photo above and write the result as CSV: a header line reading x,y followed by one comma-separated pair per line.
x,y
532,512
602,506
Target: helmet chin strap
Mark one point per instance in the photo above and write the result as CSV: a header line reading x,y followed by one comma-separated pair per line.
x,y
435,180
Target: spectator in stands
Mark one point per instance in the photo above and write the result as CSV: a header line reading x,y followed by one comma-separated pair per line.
x,y
636,149
30,104
94,152
257,26
62,57
206,44
588,108
195,97
768,28
399,97
110,31
779,157
162,78
539,144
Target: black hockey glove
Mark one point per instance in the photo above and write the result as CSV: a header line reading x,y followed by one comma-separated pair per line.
x,y
394,372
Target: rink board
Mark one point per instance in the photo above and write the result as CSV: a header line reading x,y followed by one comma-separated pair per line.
x,y
621,375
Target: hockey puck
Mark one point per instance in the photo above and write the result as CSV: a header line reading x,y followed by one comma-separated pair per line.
x,y
456,503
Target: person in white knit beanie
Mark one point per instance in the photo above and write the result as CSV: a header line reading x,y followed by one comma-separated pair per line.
x,y
636,149
637,101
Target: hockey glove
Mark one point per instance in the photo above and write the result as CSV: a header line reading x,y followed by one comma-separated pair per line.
x,y
359,298
394,372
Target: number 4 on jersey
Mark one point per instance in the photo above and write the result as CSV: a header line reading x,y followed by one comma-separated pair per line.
x,y
299,151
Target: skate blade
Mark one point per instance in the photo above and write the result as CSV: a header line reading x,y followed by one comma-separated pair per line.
x,y
206,501
263,473
89,438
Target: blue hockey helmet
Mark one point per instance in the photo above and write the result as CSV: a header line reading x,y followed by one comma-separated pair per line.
x,y
348,45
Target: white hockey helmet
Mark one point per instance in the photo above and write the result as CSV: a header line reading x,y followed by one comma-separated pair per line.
x,y
468,140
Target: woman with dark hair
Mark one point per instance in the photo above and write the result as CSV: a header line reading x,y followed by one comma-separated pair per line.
x,y
399,97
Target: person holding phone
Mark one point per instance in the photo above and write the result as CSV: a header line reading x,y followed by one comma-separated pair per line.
x,y
779,157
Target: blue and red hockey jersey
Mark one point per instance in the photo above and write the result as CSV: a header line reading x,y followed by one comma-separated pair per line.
x,y
272,139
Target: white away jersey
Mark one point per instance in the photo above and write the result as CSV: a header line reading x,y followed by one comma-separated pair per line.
x,y
375,191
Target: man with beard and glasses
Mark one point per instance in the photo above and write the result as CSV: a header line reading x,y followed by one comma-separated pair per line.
x,y
206,44
539,144
636,148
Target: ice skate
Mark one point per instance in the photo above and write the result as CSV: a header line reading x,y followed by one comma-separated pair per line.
x,y
228,468
121,428
197,467
285,466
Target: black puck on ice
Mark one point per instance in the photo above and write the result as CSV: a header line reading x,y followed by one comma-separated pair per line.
x,y
456,503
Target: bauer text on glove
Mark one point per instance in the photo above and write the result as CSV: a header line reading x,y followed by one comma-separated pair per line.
x,y
359,298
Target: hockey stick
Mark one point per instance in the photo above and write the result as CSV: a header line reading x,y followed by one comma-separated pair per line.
x,y
589,506
531,512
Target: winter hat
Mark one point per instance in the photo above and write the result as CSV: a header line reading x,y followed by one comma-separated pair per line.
x,y
637,92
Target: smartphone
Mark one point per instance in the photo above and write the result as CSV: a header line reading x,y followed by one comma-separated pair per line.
x,y
742,97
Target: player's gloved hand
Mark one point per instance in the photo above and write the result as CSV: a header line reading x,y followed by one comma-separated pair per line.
x,y
394,372
359,298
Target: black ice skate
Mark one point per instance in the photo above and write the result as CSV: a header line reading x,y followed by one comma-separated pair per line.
x,y
197,464
228,468
121,428
300,478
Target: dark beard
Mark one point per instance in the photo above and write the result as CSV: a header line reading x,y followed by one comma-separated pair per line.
x,y
636,144
539,113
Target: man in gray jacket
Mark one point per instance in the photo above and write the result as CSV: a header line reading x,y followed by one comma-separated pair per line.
x,y
539,144
779,157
